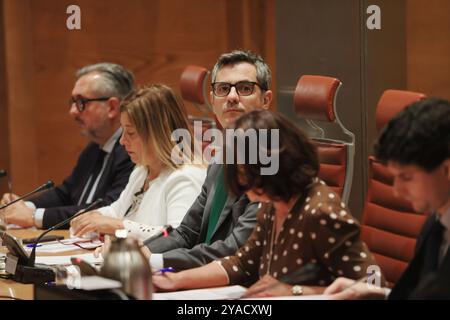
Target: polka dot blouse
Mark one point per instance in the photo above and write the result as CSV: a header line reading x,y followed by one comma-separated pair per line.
x,y
319,230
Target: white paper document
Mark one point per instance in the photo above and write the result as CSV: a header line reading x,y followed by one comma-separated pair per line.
x,y
221,293
98,283
65,260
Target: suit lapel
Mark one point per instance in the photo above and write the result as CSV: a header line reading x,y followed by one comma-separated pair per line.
x,y
103,179
231,199
87,166
214,171
445,266
410,277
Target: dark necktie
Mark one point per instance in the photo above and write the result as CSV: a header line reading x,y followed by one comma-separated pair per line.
x,y
94,174
431,249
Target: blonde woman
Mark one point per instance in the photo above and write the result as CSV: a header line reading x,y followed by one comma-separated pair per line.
x,y
160,191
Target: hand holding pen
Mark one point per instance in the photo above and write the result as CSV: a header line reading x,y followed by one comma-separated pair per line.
x,y
165,279
163,271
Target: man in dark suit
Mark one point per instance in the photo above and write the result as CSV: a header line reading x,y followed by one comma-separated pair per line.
x,y
217,224
103,167
416,147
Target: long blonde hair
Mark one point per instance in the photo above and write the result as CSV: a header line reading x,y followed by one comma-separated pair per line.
x,y
156,112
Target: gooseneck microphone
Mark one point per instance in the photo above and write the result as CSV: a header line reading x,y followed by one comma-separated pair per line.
x,y
165,230
32,257
49,184
2,173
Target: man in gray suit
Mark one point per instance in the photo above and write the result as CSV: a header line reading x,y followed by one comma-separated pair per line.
x,y
218,224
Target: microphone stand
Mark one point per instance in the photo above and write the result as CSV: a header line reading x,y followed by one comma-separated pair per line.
x,y
49,184
28,272
32,257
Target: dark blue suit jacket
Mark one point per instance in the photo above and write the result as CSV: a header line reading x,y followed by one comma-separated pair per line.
x,y
61,202
412,285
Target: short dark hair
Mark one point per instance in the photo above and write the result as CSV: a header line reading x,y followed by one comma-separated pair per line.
x,y
298,160
263,73
418,135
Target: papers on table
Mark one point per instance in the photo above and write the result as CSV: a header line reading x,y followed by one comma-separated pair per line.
x,y
224,293
65,245
221,293
98,283
17,227
65,260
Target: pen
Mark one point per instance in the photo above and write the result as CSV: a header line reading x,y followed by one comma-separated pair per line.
x,y
164,270
33,245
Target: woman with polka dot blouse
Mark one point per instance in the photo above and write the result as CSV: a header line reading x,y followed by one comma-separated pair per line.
x,y
305,236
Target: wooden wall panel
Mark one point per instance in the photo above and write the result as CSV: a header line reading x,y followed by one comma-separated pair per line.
x,y
155,39
4,134
20,99
428,47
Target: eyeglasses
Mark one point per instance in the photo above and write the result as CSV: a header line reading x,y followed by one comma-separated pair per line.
x,y
243,88
81,102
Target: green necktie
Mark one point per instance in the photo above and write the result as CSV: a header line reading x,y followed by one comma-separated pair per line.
x,y
220,197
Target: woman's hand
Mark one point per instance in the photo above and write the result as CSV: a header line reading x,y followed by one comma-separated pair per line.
x,y
268,286
166,282
104,249
94,221
348,289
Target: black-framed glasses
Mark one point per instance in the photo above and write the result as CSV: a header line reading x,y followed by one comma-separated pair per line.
x,y
81,102
243,88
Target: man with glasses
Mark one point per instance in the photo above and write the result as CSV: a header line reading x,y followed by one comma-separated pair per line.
x,y
218,223
103,167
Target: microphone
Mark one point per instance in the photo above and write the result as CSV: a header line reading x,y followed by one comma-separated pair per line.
x,y
49,184
166,229
58,225
3,173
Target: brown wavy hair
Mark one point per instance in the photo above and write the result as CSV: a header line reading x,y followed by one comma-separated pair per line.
x,y
298,160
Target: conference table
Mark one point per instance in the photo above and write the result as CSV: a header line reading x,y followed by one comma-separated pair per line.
x,y
15,290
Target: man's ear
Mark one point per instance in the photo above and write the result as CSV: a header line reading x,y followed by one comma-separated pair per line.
x,y
114,107
267,99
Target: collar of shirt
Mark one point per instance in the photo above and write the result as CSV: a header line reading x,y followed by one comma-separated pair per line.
x,y
217,158
109,145
445,220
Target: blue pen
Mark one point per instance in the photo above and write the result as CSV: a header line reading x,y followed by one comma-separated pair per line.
x,y
33,245
164,270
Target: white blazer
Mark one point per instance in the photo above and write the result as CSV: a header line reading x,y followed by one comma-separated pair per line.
x,y
166,201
